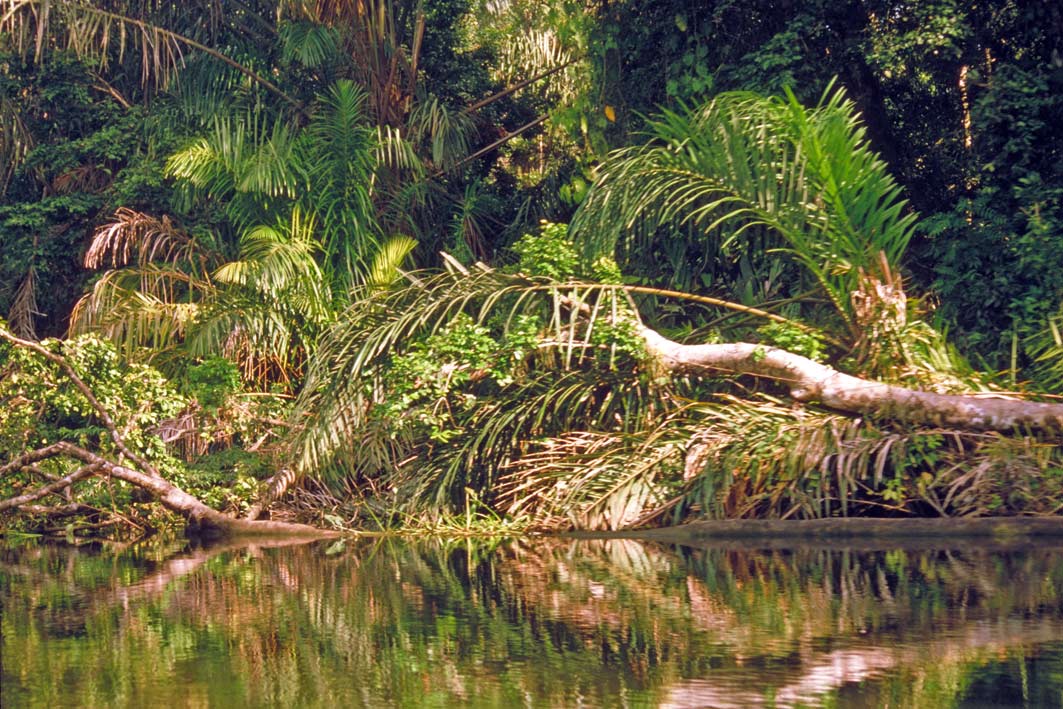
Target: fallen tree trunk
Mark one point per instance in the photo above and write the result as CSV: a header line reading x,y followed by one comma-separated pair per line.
x,y
173,498
810,381
201,517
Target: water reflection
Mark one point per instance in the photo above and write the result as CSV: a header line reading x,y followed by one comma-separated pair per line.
x,y
539,622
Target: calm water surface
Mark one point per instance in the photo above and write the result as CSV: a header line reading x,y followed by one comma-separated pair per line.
x,y
536,623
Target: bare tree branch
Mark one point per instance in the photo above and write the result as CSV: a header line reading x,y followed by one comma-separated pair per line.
x,y
66,481
82,387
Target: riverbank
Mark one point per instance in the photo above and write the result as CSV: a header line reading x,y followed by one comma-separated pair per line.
x,y
990,530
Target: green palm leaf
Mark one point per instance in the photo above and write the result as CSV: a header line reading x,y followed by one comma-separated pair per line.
x,y
743,166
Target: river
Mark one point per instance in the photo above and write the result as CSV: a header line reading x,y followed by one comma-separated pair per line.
x,y
537,622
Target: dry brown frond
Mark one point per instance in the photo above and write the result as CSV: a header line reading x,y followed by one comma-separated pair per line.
x,y
24,307
92,33
591,480
135,237
84,178
15,141
880,311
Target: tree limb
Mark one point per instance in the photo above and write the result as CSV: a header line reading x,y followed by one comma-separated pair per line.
x,y
169,495
82,387
66,481
811,381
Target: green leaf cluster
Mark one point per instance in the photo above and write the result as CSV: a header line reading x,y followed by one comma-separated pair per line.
x,y
550,253
787,336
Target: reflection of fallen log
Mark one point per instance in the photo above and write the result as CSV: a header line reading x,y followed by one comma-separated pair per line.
x,y
175,567
822,672
158,580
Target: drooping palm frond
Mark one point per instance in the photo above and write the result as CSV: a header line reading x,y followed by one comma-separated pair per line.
x,y
397,153
542,403
446,132
138,238
279,263
744,167
112,31
382,41
469,230
272,302
345,376
208,91
241,162
760,457
144,306
595,479
159,277
16,141
384,271
309,43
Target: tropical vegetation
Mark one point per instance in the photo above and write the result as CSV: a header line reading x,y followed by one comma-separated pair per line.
x,y
553,265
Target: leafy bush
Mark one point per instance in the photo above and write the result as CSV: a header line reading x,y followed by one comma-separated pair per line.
x,y
790,337
40,405
549,253
212,381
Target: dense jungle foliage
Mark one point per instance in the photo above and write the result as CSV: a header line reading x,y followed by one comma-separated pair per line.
x,y
405,253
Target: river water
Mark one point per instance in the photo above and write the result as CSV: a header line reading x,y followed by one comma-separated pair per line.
x,y
538,622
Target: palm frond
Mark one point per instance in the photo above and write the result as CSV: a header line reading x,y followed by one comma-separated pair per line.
x,y
469,231
384,271
1046,347
397,153
279,264
138,238
309,43
16,141
146,306
447,132
339,160
569,381
246,163
744,165
96,33
24,312
595,479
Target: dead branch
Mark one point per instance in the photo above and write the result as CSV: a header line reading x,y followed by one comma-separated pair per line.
x,y
169,495
45,490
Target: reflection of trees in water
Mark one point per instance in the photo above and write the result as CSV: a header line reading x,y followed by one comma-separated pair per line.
x,y
549,619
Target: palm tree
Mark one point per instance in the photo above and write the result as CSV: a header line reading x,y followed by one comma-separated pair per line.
x,y
299,235
267,140
745,173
